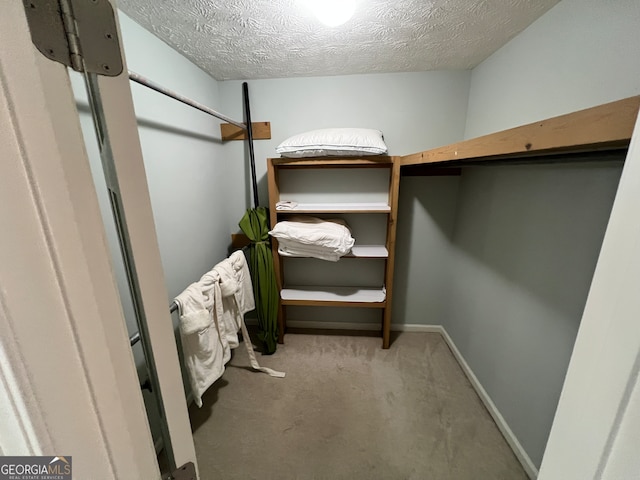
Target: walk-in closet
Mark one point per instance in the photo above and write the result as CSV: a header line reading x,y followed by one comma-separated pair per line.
x,y
243,243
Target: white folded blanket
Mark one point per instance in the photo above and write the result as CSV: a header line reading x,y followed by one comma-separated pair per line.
x,y
314,237
286,205
291,248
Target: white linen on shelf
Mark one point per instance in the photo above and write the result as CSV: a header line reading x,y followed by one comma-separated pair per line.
x,y
288,248
286,205
304,236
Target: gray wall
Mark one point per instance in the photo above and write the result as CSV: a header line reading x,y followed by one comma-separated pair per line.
x,y
427,210
415,111
191,179
525,245
527,239
579,54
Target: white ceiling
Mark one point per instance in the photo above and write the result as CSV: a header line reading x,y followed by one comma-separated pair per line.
x,y
250,39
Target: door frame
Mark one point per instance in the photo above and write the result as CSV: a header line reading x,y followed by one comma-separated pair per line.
x,y
70,386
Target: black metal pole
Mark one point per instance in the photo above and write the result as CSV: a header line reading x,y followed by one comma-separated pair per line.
x,y
247,115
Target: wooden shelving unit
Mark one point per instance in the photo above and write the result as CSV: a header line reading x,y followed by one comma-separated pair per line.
x,y
338,295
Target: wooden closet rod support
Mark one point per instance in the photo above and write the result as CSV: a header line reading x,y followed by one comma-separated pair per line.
x,y
181,98
261,131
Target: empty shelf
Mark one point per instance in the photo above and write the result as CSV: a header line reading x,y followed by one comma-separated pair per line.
x,y
337,296
357,251
373,207
368,251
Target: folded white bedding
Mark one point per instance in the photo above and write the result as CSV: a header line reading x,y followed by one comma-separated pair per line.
x,y
311,236
289,248
286,205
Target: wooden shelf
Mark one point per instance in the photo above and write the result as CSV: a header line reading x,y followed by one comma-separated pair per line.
x,y
604,127
333,162
374,207
357,251
334,296
368,251
259,130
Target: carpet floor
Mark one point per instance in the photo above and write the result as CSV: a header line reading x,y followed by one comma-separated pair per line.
x,y
349,410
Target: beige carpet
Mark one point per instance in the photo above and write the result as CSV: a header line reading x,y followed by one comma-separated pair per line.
x,y
349,410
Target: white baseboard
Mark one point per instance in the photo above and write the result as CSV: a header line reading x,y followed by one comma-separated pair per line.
x,y
416,327
509,436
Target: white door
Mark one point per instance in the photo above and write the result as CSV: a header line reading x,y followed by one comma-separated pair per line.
x,y
68,381
595,431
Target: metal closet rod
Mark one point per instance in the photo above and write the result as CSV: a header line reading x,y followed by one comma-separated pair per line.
x,y
133,76
181,98
135,338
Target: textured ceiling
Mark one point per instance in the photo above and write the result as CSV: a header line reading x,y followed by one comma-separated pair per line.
x,y
250,39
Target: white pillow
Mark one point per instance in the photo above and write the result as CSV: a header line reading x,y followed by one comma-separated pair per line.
x,y
334,141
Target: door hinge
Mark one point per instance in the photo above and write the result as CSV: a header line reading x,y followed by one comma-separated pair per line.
x,y
185,472
81,34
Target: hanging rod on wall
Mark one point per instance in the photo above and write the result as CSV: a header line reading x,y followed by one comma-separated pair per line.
x,y
135,338
181,98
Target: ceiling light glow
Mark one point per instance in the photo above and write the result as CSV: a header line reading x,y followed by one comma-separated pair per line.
x,y
333,12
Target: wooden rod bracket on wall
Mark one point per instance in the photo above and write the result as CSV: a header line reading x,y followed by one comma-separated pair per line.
x,y
239,240
261,131
603,127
